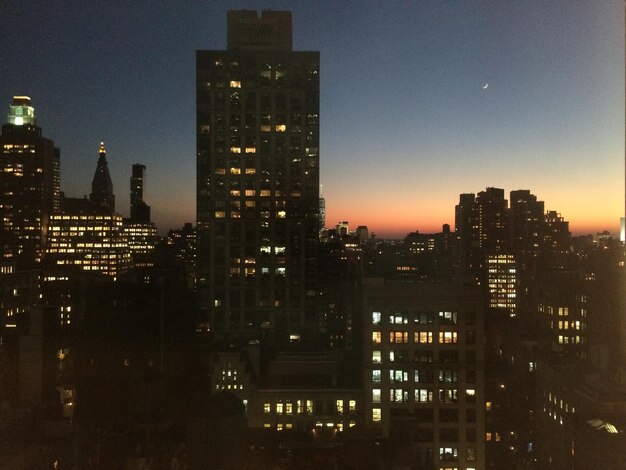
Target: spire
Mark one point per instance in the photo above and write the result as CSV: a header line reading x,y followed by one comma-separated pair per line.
x,y
102,196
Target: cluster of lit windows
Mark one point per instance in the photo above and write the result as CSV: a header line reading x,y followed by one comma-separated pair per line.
x,y
556,407
229,379
419,337
421,318
93,243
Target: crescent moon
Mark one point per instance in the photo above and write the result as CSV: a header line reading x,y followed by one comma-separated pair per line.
x,y
486,85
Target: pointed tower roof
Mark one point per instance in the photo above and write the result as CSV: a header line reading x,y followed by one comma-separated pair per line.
x,y
102,196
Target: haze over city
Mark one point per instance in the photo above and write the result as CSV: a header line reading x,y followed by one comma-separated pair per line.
x,y
406,121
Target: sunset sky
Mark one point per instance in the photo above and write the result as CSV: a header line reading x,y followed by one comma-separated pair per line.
x,y
406,123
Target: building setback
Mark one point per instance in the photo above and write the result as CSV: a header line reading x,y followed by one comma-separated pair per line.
x,y
258,184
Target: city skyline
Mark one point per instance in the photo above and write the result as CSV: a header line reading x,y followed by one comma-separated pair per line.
x,y
403,102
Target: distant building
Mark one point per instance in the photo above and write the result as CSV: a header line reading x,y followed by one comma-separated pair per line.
x,y
343,228
139,210
139,232
29,186
322,213
258,183
362,233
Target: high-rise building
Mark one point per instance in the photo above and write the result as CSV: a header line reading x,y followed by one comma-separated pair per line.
x,y
29,185
139,210
140,233
102,197
258,183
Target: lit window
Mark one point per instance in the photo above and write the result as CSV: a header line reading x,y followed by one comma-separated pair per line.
x,y
398,337
235,84
267,408
423,337
376,357
339,405
376,375
376,415
423,395
376,317
376,395
447,337
376,337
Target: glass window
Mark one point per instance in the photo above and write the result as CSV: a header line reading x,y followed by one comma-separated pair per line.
x,y
376,375
376,415
448,318
376,337
376,317
423,337
447,337
376,395
423,395
376,356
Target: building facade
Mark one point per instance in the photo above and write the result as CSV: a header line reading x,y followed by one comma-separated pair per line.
x,y
258,183
424,371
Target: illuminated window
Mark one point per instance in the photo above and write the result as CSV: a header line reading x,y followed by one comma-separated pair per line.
x,y
235,84
352,405
376,357
398,337
376,317
376,395
398,395
423,337
279,408
376,375
447,337
423,395
377,337
339,405
267,408
376,415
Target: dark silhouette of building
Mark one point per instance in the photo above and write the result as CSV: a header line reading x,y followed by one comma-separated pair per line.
x,y
139,210
102,196
29,185
258,183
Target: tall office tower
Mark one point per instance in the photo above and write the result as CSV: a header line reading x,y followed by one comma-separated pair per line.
x,y
102,197
258,183
29,185
139,210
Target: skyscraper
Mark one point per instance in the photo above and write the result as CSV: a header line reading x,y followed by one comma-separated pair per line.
x,y
258,183
29,185
102,197
139,210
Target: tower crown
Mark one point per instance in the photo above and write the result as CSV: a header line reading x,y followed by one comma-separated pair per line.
x,y
102,150
21,112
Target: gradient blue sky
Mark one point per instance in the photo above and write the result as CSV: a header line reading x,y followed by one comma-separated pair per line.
x,y
405,123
